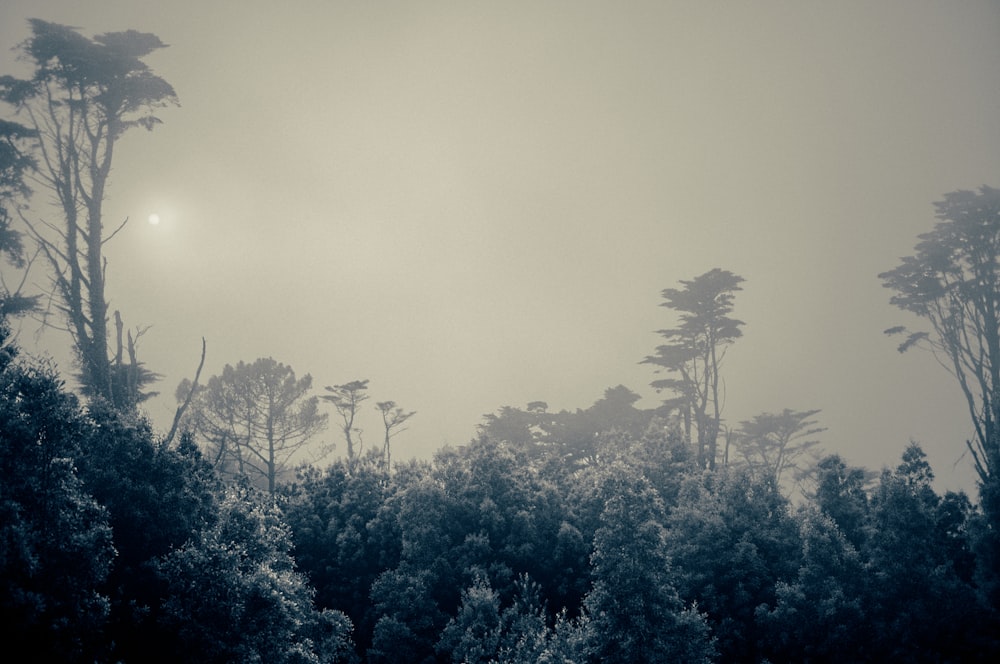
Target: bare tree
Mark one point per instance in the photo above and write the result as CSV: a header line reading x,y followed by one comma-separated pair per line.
x,y
393,418
84,95
184,401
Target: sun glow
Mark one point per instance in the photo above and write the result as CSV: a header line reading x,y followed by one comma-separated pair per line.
x,y
154,219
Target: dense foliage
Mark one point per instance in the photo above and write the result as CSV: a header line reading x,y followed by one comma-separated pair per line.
x,y
115,548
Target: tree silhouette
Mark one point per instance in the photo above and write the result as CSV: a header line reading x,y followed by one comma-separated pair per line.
x,y
695,350
83,96
953,283
773,444
254,418
347,399
394,420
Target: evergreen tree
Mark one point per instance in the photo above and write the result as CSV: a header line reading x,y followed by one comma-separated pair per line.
x,y
840,494
919,606
345,535
635,612
157,499
233,593
473,636
819,616
55,541
731,539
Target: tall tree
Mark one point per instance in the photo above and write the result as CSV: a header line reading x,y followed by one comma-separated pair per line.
x,y
84,95
694,352
953,283
254,418
347,399
394,420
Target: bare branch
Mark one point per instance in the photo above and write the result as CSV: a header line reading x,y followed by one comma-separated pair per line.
x,y
187,401
115,232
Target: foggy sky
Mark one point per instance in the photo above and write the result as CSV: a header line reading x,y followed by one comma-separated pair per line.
x,y
477,204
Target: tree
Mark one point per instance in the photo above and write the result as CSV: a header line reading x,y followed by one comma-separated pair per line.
x,y
55,540
473,636
234,595
773,443
480,513
393,418
919,607
819,615
578,436
731,540
15,164
410,620
695,350
953,283
156,499
522,428
342,542
84,95
660,454
525,638
347,399
254,418
840,494
636,613
574,437
481,632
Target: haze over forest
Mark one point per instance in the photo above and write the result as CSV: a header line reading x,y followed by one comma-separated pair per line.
x,y
476,206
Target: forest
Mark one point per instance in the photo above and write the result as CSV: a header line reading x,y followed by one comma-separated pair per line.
x,y
607,534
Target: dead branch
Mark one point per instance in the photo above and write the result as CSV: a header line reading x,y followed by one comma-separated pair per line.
x,y
187,401
108,238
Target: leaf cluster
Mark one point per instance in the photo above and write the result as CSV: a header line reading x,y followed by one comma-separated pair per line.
x,y
105,73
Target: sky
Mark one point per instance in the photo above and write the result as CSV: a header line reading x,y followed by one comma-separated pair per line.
x,y
478,204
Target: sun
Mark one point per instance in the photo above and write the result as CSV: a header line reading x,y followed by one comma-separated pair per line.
x,y
154,219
